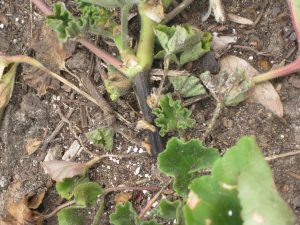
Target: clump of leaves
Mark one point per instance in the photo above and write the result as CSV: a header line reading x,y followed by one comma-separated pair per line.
x,y
102,137
171,115
181,44
187,86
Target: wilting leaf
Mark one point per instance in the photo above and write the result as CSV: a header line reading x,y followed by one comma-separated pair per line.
x,y
124,215
263,93
241,188
7,81
86,193
171,116
66,187
102,137
72,215
183,160
187,86
168,210
59,170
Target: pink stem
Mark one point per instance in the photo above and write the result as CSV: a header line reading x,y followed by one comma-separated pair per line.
x,y
106,57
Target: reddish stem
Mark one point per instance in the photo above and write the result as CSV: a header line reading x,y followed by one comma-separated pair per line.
x,y
106,57
280,72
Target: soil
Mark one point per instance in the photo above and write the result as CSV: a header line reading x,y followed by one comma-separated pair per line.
x,y
30,116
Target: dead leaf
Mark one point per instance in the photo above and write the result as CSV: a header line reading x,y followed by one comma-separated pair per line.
x,y
18,213
220,44
143,124
59,170
123,197
51,53
264,93
238,19
32,145
35,201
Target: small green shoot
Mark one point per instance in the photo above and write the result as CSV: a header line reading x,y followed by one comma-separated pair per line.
x,y
183,160
172,116
102,137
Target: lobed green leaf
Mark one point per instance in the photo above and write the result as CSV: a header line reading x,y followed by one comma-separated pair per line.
x,y
72,216
168,210
86,193
183,160
124,215
171,115
66,187
102,137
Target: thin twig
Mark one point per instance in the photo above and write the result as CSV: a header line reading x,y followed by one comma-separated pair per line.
x,y
155,197
57,209
58,128
177,10
193,100
274,157
171,73
213,121
252,50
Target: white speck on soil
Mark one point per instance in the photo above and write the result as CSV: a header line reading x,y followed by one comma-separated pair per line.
x,y
137,170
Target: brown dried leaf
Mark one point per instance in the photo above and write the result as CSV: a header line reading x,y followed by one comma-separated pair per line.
x,y
59,170
18,213
51,53
32,145
238,19
35,201
143,124
263,93
123,197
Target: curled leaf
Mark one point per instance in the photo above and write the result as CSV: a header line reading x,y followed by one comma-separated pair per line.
x,y
171,115
59,170
124,215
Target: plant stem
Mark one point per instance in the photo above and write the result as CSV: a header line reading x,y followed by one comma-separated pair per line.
x,y
57,209
177,10
146,43
99,213
124,27
280,72
42,7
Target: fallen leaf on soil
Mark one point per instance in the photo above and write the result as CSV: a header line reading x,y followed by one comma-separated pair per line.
x,y
51,53
123,197
18,213
263,93
35,201
238,19
32,145
143,124
59,170
221,43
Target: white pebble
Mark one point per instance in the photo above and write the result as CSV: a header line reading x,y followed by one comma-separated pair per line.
x,y
137,171
1,26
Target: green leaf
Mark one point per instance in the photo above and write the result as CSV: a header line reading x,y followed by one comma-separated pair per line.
x,y
63,23
72,216
183,160
66,187
102,137
196,51
256,185
171,115
112,3
86,193
241,188
209,203
168,210
187,86
124,215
